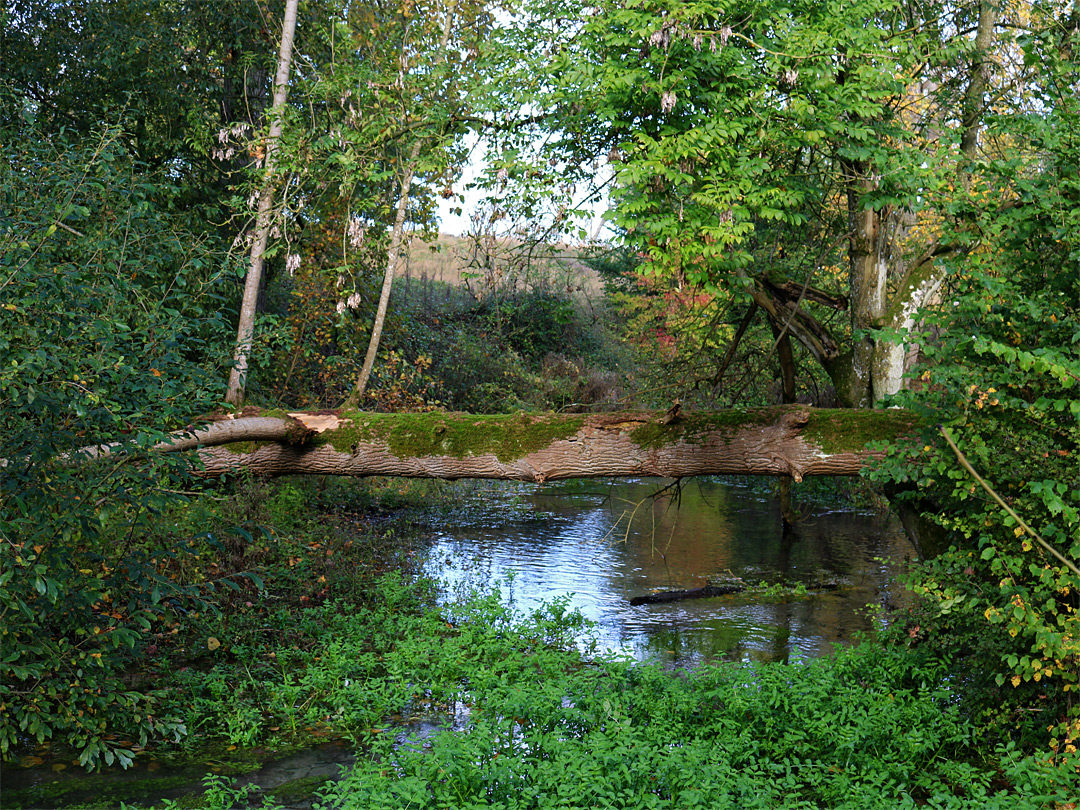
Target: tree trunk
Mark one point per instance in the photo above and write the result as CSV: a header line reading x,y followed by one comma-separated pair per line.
x,y
791,441
393,260
875,368
786,357
978,82
396,252
245,330
868,272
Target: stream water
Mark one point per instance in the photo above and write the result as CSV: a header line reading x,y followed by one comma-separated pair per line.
x,y
603,544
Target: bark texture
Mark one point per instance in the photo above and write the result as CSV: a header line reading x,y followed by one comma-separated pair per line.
x,y
245,331
794,441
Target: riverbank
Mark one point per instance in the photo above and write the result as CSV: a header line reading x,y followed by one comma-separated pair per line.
x,y
346,642
531,722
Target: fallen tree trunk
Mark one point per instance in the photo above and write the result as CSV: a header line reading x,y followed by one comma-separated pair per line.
x,y
706,592
718,589
796,441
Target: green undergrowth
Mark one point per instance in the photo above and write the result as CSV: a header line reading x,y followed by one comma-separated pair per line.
x,y
540,724
857,731
548,726
340,640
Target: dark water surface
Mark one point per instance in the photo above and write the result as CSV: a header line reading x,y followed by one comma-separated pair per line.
x,y
603,544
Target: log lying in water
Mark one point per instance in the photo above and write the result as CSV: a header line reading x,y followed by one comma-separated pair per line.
x,y
713,590
692,593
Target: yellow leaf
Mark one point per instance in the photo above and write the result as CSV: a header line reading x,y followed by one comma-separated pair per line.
x,y
1015,680
155,372
212,643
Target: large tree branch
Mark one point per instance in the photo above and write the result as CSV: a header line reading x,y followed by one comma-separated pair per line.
x,y
729,355
807,330
792,293
287,430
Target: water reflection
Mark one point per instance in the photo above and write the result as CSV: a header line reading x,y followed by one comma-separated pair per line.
x,y
612,542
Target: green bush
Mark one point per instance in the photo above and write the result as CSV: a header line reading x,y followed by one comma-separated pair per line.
x,y
530,351
1001,373
108,307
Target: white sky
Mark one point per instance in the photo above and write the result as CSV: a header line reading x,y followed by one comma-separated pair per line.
x,y
458,224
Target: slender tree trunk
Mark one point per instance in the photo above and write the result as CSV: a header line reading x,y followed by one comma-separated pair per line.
x,y
396,252
868,275
393,261
786,358
245,331
978,81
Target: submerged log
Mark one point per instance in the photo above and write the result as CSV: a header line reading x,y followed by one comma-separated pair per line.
x,y
693,593
795,441
719,589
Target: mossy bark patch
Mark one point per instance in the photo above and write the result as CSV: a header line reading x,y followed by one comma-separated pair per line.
x,y
849,430
453,435
697,428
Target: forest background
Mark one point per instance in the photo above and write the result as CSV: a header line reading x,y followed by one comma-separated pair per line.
x,y
860,204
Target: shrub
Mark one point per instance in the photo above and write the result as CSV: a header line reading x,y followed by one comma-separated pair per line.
x,y
107,312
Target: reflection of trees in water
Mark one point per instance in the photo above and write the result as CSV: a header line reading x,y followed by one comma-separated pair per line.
x,y
581,543
679,535
708,530
723,629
